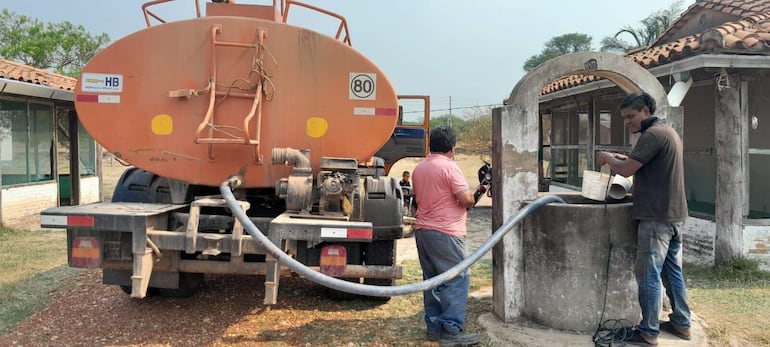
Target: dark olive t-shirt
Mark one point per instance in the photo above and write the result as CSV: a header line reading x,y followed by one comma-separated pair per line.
x,y
659,183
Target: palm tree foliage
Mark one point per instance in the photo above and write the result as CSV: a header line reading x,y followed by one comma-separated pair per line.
x,y
652,27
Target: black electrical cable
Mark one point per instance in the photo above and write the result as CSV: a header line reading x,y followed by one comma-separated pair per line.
x,y
611,332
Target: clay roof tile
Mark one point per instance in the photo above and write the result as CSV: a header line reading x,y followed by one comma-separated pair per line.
x,y
23,73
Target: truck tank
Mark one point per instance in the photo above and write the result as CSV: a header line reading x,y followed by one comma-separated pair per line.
x,y
203,99
306,123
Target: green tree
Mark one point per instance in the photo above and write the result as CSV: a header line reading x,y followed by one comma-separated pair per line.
x,y
457,122
477,135
63,47
652,27
557,46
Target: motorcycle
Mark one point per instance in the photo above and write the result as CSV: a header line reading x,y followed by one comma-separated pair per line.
x,y
485,182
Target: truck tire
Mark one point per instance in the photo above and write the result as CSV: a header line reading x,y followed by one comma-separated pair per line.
x,y
188,286
137,185
151,291
343,296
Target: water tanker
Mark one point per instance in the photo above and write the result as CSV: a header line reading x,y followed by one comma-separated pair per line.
x,y
308,124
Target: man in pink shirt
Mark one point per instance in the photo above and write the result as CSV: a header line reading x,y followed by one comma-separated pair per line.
x,y
443,199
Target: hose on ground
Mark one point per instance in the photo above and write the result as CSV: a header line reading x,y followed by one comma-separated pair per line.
x,y
372,290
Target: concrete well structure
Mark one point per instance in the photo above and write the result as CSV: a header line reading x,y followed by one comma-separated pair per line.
x,y
576,255
517,175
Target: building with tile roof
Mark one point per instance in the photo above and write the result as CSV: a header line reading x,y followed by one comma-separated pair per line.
x,y
37,157
714,61
13,71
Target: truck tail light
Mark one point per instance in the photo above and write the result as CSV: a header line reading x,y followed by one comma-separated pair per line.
x,y
333,260
86,252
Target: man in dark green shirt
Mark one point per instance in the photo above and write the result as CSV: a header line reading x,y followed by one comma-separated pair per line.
x,y
660,207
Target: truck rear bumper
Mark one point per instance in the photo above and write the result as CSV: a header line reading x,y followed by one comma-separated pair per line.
x,y
228,268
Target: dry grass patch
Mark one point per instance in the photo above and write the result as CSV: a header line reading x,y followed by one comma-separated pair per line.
x,y
735,300
32,266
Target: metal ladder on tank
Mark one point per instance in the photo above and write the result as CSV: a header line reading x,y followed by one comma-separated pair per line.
x,y
239,135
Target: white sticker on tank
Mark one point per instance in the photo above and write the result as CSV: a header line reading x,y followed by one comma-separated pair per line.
x,y
109,99
363,86
102,83
363,111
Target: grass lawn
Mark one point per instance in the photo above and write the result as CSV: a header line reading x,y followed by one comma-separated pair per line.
x,y
735,302
32,265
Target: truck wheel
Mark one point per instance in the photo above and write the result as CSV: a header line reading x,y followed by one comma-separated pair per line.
x,y
137,185
340,295
151,291
380,253
188,286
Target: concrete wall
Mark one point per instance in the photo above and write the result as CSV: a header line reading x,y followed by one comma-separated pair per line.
x,y
568,258
24,201
756,242
89,189
698,248
698,242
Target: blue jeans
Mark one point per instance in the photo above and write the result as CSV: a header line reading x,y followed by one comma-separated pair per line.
x,y
659,260
445,305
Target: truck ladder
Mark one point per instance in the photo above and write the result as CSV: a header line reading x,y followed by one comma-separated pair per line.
x,y
232,133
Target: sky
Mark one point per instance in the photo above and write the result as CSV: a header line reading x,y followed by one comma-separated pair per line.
x,y
469,51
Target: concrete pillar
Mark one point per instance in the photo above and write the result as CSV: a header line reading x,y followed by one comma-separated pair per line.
x,y
593,119
516,142
674,116
731,163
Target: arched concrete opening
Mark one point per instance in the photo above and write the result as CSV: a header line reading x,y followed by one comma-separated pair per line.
x,y
515,145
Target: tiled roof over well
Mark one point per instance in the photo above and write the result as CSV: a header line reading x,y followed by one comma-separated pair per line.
x,y
23,73
749,35
737,8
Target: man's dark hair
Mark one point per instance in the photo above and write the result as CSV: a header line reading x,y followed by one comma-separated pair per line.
x,y
636,101
404,173
442,139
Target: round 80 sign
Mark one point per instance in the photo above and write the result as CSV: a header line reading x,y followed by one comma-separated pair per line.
x,y
363,86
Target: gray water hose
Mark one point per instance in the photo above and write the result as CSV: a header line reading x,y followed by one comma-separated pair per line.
x,y
371,290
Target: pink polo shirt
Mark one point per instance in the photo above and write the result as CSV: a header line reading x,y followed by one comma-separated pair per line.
x,y
435,182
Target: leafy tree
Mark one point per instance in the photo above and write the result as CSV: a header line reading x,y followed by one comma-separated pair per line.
x,y
652,27
477,135
457,123
63,48
557,46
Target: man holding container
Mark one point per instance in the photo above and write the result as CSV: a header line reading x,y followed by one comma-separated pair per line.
x,y
660,208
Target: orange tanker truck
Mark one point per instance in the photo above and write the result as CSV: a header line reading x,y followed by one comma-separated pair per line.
x,y
309,125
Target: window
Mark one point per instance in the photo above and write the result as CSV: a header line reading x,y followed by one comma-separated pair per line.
x,y
26,142
604,128
583,129
88,152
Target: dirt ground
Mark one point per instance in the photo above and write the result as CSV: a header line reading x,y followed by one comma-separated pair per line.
x,y
227,311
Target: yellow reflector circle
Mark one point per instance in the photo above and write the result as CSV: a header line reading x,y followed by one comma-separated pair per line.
x,y
316,127
162,124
